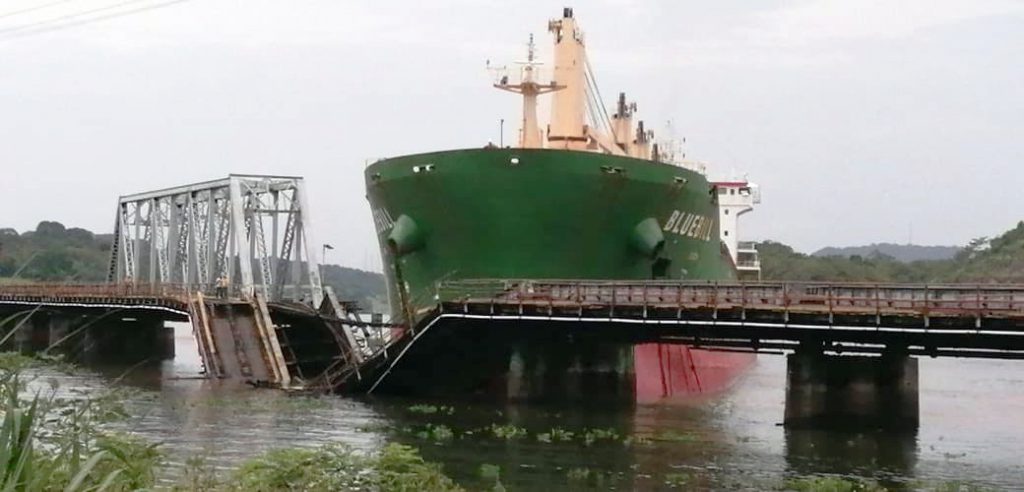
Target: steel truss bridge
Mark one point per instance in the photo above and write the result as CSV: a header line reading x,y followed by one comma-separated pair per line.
x,y
253,231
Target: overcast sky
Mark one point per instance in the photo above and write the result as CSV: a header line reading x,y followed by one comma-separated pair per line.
x,y
861,120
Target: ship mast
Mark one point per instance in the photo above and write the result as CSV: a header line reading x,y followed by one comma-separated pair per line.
x,y
530,136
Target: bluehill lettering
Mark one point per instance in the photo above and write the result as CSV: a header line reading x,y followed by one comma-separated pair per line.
x,y
688,224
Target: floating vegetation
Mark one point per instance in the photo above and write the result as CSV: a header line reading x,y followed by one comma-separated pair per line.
x,y
507,432
588,478
677,480
266,401
590,436
335,467
432,409
490,473
375,427
674,436
556,434
436,433
637,440
831,484
953,486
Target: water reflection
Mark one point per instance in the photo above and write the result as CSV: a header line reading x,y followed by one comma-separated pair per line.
x,y
876,452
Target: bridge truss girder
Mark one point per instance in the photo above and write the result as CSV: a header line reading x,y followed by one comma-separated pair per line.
x,y
253,230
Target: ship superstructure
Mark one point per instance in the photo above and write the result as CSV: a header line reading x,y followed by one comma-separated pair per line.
x,y
735,198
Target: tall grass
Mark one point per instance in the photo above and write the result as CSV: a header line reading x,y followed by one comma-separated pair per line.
x,y
69,452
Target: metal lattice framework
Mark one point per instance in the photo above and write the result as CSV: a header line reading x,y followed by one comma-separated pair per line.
x,y
253,230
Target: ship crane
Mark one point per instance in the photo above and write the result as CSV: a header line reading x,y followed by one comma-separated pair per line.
x,y
579,120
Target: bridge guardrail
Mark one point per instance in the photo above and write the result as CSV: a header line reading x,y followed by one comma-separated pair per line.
x,y
94,290
852,297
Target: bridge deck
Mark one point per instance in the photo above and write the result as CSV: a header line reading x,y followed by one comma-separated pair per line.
x,y
963,320
172,297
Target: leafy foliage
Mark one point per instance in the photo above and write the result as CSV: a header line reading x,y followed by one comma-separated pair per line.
x,y
54,253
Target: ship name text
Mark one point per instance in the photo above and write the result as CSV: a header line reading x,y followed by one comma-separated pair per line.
x,y
691,225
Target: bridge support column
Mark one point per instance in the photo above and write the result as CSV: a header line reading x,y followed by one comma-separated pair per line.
x,y
826,391
58,328
22,339
167,342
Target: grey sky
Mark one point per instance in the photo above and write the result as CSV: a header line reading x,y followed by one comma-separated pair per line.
x,y
859,119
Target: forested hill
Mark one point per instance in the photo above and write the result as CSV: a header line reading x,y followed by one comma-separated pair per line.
x,y
900,252
1000,259
55,253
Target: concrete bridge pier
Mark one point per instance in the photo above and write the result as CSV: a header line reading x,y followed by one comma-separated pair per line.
x,y
22,339
854,392
125,339
56,329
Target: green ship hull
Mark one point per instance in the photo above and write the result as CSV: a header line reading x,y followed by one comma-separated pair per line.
x,y
497,213
531,213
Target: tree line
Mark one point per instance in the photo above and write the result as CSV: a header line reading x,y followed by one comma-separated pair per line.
x,y
55,253
985,260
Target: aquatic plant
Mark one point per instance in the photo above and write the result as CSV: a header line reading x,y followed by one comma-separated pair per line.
x,y
324,468
557,434
401,469
588,478
507,432
431,409
578,474
831,484
436,432
954,486
197,475
674,436
590,436
396,468
636,440
677,480
489,472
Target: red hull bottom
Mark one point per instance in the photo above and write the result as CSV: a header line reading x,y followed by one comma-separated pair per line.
x,y
665,372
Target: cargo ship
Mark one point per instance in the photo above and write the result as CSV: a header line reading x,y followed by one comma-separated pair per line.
x,y
588,196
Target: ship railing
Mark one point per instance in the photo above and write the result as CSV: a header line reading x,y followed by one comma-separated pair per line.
x,y
854,297
746,247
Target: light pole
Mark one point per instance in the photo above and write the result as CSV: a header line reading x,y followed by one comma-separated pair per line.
x,y
323,259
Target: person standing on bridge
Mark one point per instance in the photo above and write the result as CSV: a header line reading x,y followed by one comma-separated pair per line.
x,y
222,287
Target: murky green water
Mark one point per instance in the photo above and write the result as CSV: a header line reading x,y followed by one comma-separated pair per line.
x,y
972,430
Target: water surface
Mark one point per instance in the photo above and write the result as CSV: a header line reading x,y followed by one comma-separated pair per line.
x,y
971,431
